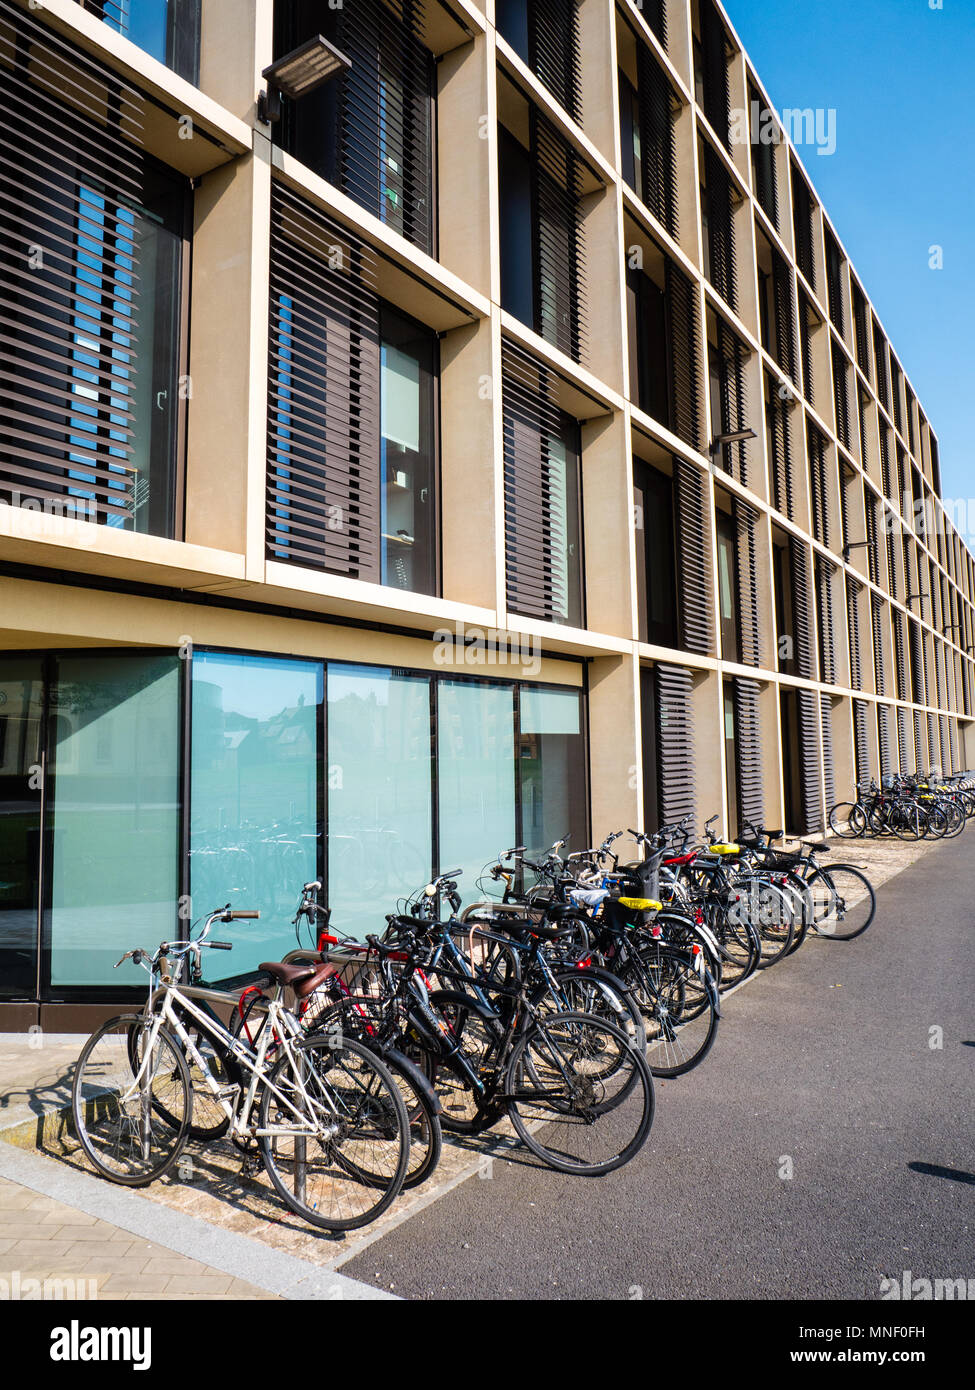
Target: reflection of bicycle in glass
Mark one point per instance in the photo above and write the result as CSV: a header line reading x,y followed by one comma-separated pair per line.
x,y
253,859
377,859
328,1119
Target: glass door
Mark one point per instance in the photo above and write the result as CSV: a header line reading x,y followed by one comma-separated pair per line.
x,y
21,806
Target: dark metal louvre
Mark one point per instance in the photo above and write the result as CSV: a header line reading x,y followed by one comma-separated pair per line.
x,y
766,186
841,394
900,657
853,619
824,602
902,740
920,743
717,88
553,47
802,221
860,330
732,356
383,110
870,517
802,608
861,745
655,14
880,357
723,265
879,664
953,744
885,460
675,743
818,485
829,771
885,741
560,311
917,662
323,394
811,763
945,749
685,337
784,310
658,155
834,281
783,472
71,330
746,521
694,570
537,575
805,348
748,740
933,758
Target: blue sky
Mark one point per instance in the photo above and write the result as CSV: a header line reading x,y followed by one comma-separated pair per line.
x,y
901,78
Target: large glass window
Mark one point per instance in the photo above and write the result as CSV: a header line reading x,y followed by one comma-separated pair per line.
x,y
21,714
254,803
476,773
408,454
380,797
166,29
115,836
551,768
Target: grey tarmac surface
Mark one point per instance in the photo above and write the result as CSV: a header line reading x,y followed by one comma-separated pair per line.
x,y
826,1062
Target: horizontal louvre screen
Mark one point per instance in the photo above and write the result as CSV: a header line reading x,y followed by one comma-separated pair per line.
x,y
782,456
323,403
853,619
694,572
885,740
717,89
879,663
746,521
829,769
541,502
811,763
554,51
74,340
723,265
904,741
560,310
731,358
802,607
861,745
920,743
841,395
748,738
658,156
827,636
675,743
783,304
685,335
802,213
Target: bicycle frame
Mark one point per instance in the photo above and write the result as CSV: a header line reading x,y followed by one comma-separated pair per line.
x,y
282,1024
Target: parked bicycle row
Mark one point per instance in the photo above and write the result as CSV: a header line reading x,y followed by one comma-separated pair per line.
x,y
552,1001
910,808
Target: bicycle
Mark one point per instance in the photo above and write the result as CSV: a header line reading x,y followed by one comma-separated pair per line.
x,y
329,1121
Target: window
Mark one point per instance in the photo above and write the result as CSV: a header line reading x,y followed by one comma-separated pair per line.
x,y
647,135
407,453
543,526
380,799
655,555
115,820
541,244
728,587
255,826
475,775
370,130
551,768
352,412
718,226
21,724
545,35
165,29
92,427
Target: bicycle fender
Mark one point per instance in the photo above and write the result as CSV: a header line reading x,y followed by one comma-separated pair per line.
x,y
418,1080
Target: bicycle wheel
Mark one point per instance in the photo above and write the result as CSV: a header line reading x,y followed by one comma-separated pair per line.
x,y
847,820
770,911
132,1131
352,1168
600,993
579,1096
680,1006
844,902
209,1120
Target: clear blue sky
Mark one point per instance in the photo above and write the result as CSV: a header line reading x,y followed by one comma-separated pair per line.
x,y
901,78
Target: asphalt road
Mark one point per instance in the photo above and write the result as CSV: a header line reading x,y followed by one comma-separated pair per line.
x,y
826,1061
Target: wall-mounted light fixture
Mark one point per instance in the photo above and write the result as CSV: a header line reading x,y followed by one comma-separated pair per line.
x,y
298,73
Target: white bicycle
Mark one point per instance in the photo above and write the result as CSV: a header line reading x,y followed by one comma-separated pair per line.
x,y
326,1115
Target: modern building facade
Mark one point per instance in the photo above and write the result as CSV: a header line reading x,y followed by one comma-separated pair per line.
x,y
365,507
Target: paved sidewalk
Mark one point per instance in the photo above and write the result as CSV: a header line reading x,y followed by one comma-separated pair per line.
x,y
43,1239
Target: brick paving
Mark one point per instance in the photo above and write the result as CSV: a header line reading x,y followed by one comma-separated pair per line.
x,y
43,1239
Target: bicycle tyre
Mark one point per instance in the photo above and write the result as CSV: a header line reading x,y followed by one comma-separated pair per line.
x,y
837,878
